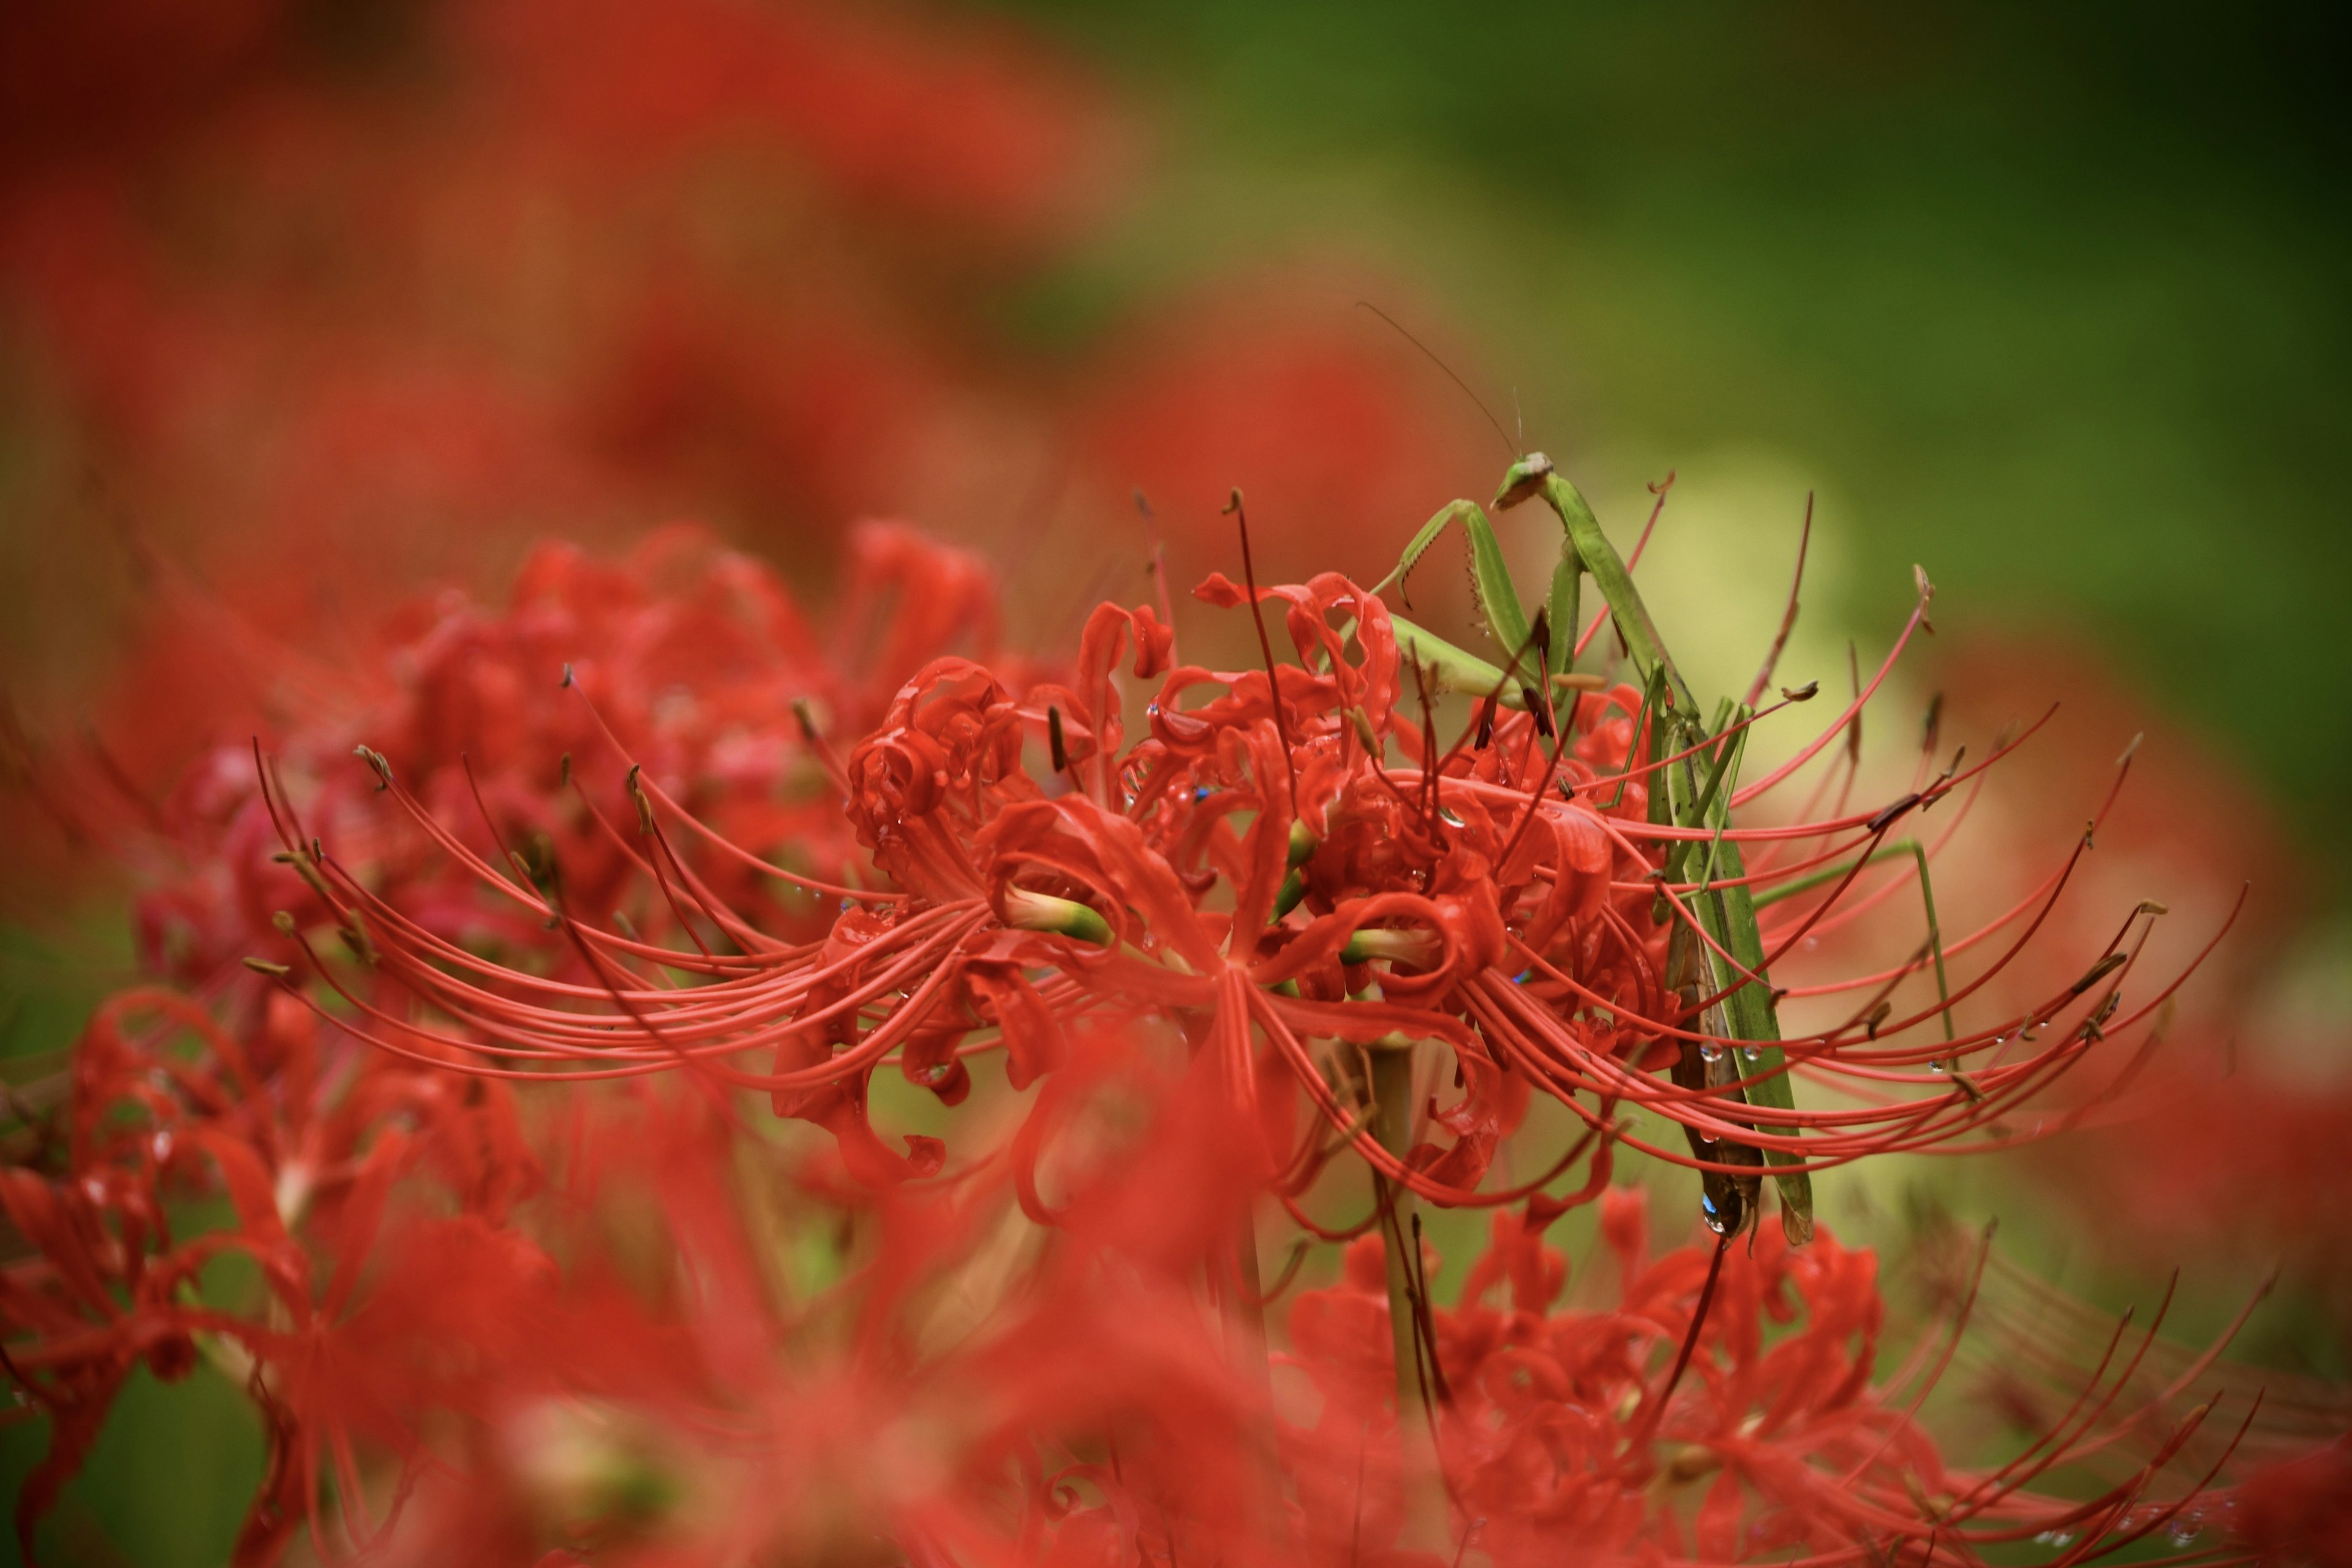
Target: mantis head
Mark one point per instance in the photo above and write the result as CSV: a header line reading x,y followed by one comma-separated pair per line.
x,y
1523,479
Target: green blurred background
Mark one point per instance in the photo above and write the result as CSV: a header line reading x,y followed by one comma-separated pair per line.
x,y
2054,297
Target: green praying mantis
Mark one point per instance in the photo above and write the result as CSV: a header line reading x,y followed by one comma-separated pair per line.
x,y
1721,905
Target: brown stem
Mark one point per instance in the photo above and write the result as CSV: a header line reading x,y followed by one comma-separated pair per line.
x,y
1392,1126
1391,1089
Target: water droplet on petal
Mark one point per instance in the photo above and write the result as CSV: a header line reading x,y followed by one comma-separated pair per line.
x,y
1710,1052
1939,1065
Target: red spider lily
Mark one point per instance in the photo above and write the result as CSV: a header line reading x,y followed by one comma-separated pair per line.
x,y
258,1112
620,1366
166,1104
1090,1417
1727,1407
2247,1129
1508,899
711,672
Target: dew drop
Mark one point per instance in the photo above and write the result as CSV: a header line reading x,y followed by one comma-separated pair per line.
x,y
1714,1217
1751,1053
1200,793
2054,1538
2184,1531
1938,1065
1710,1052
1445,816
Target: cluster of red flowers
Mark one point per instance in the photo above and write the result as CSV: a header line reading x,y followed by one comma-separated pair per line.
x,y
472,978
709,662
1262,865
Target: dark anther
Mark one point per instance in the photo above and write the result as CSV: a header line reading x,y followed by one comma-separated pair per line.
x,y
1542,713
1886,816
2099,971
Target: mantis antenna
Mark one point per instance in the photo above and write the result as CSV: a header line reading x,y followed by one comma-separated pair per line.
x,y
1502,434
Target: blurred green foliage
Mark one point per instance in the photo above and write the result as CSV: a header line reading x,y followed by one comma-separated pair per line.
x,y
166,1487
2054,297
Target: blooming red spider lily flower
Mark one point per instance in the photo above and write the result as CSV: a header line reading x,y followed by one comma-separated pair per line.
x,y
167,1104
1726,1406
627,1366
1314,882
1285,874
724,691
1326,900
234,1089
